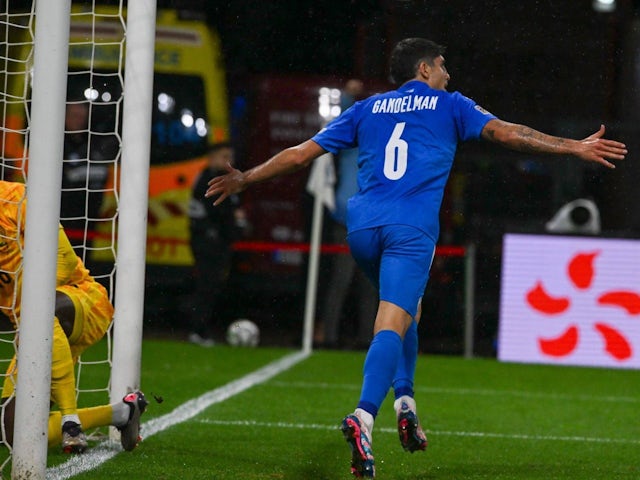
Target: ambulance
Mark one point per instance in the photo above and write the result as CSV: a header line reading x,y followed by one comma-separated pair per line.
x,y
190,111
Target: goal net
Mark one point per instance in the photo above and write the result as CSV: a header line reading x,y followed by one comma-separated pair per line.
x,y
91,161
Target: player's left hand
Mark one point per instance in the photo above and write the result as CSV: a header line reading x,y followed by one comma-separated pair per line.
x,y
594,148
225,185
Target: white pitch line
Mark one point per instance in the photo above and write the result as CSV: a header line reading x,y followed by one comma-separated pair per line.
x,y
510,436
105,450
474,391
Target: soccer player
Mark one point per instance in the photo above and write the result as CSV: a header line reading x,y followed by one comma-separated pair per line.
x,y
407,140
83,314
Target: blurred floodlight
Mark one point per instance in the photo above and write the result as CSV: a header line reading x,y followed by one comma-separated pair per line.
x,y
324,110
91,94
165,103
604,5
329,103
187,118
201,127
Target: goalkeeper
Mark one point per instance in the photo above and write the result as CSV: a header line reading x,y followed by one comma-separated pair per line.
x,y
83,314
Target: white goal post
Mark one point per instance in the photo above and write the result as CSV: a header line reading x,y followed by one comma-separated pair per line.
x,y
43,214
134,187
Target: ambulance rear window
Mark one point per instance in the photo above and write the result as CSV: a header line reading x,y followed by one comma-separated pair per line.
x,y
180,125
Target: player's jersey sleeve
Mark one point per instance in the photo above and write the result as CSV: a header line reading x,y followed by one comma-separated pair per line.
x,y
339,134
12,223
67,259
470,117
70,269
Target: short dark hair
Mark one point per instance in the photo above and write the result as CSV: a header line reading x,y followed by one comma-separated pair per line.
x,y
407,55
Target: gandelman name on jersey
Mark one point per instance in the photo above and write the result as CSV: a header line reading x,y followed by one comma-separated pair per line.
x,y
408,103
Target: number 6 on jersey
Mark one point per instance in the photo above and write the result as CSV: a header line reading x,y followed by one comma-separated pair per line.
x,y
395,154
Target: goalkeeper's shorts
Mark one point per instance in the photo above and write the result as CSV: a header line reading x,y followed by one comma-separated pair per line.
x,y
93,314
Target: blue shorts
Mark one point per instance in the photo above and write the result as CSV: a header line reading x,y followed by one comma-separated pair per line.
x,y
397,259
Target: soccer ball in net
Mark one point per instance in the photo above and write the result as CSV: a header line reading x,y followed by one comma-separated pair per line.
x,y
243,333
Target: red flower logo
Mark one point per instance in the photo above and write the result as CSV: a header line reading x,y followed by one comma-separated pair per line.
x,y
581,273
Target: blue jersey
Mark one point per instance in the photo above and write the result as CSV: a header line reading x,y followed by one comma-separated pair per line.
x,y
347,183
407,139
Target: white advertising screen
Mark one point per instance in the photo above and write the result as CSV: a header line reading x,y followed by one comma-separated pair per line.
x,y
570,301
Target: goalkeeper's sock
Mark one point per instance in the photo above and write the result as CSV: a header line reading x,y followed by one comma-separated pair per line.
x,y
403,379
63,385
92,417
379,367
70,418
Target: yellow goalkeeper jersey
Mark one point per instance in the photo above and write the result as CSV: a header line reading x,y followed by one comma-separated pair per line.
x,y
70,269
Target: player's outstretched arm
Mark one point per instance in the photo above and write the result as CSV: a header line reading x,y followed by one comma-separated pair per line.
x,y
594,148
287,161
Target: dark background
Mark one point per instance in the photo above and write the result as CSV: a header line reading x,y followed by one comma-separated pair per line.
x,y
557,66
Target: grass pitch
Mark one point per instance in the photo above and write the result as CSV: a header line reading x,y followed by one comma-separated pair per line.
x,y
484,420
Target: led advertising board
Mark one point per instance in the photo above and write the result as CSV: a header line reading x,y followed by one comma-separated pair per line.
x,y
570,301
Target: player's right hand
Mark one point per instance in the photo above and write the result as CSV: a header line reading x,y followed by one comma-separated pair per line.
x,y
225,185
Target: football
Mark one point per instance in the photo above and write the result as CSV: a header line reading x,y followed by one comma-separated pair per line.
x,y
243,333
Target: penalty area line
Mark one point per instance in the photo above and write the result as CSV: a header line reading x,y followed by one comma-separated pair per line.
x,y
104,451
473,391
509,436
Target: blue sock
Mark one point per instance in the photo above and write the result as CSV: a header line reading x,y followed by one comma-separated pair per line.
x,y
379,366
403,379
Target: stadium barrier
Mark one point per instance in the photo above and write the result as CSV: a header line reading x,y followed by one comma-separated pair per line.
x,y
466,253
